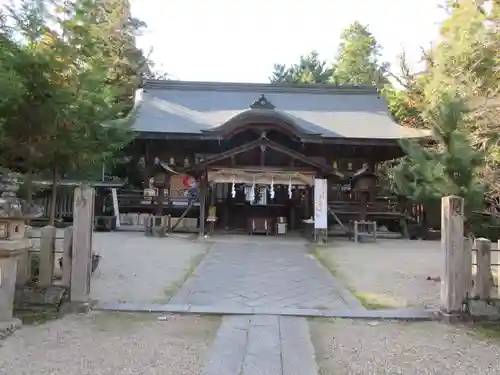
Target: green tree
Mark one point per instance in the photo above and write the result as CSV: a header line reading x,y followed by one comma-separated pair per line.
x,y
80,100
105,28
466,60
24,111
449,169
310,69
358,58
405,97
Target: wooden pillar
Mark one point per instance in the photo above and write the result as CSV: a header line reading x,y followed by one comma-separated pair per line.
x,y
484,277
456,281
67,256
203,199
148,164
169,203
363,202
160,198
307,202
47,255
81,269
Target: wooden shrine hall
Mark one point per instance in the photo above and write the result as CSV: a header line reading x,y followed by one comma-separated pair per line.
x,y
254,152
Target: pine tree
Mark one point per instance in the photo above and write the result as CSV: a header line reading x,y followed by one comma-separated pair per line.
x,y
450,168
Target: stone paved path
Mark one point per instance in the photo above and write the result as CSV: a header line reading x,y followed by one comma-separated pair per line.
x,y
269,274
262,345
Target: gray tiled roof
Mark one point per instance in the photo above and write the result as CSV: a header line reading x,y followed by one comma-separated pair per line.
x,y
332,111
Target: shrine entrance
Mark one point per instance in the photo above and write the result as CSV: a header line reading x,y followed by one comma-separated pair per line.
x,y
258,201
259,187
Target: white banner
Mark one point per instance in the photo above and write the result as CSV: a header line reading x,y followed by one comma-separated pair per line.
x,y
320,204
115,207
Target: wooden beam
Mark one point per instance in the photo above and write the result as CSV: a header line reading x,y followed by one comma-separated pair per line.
x,y
224,155
203,200
264,142
297,155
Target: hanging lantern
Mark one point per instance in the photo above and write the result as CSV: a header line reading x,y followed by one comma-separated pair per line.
x,y
171,161
233,189
271,192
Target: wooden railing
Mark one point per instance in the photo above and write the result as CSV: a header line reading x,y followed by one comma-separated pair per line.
x,y
64,204
134,201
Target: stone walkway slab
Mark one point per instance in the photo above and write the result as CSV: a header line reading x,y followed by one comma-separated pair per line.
x,y
262,345
267,275
396,314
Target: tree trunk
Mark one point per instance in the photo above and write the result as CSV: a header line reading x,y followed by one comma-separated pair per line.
x,y
53,196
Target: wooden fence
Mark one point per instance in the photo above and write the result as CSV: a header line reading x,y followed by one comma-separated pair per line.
x,y
55,245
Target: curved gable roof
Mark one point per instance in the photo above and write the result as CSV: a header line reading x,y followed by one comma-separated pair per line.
x,y
325,110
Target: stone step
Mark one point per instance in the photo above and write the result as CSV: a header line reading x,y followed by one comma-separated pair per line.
x,y
263,345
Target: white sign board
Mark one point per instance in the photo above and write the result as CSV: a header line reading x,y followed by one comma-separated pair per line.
x,y
115,207
320,204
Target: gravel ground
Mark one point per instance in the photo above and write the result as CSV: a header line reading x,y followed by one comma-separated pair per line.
x,y
139,269
110,343
364,348
389,272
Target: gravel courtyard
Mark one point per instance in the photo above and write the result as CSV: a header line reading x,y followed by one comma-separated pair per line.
x,y
392,273
110,343
139,269
361,347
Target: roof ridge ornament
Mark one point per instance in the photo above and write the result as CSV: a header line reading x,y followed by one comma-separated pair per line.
x,y
262,103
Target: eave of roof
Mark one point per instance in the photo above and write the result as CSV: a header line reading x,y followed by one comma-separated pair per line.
x,y
172,109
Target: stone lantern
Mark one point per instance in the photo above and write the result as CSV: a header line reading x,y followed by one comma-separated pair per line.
x,y
14,245
364,182
364,185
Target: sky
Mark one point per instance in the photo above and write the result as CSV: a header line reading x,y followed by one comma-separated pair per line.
x,y
239,41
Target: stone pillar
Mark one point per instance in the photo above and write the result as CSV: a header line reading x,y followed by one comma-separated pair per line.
x,y
47,255
81,266
203,199
9,252
456,282
484,277
67,256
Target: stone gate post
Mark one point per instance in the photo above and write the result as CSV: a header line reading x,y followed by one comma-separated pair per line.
x,y
83,222
456,282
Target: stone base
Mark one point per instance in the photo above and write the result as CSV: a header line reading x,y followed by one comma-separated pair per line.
x,y
156,226
454,317
8,327
75,308
364,231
